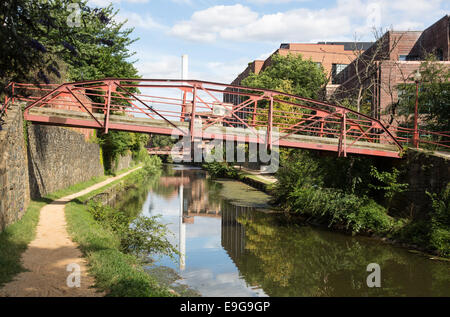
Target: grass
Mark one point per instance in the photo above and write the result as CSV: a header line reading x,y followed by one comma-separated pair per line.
x,y
16,237
116,273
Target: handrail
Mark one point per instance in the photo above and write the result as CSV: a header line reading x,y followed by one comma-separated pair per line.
x,y
248,109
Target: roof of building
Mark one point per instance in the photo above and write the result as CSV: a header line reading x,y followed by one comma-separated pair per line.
x,y
351,46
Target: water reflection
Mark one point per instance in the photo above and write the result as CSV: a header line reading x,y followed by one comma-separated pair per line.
x,y
229,250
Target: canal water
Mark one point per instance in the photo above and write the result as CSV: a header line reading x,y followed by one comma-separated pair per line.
x,y
232,244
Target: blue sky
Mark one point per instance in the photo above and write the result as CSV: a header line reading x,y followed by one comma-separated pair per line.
x,y
221,37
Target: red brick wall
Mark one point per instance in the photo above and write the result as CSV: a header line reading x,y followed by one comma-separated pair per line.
x,y
326,54
253,67
393,73
435,37
401,43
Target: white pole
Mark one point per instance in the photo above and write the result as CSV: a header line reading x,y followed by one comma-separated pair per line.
x,y
182,232
184,67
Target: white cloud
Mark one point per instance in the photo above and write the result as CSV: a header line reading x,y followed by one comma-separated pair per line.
x,y
137,20
205,25
160,66
240,23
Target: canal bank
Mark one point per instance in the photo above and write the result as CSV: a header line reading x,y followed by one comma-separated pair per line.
x,y
42,269
239,248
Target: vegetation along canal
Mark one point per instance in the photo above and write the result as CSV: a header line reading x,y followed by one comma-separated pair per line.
x,y
232,244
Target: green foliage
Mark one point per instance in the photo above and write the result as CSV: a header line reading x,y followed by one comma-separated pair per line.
x,y
152,163
434,97
38,42
387,183
161,141
432,232
289,74
302,188
299,169
440,222
336,208
302,77
119,143
140,236
220,170
147,236
117,273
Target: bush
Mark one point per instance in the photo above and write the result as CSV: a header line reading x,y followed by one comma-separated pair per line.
x,y
299,170
338,208
372,217
142,236
220,169
440,222
152,164
146,235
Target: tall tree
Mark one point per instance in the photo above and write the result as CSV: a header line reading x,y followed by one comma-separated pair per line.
x,y
302,77
39,37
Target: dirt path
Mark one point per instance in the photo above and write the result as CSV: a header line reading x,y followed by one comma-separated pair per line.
x,y
49,254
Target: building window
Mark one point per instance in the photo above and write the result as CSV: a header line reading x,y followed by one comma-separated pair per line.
x,y
403,58
335,70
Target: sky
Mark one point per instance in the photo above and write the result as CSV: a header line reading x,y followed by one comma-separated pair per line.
x,y
222,37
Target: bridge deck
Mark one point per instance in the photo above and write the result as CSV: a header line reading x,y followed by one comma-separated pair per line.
x,y
176,128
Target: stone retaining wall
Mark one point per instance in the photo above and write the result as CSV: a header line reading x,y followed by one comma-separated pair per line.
x,y
14,187
37,160
58,158
424,172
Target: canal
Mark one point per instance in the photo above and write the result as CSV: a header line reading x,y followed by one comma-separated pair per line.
x,y
232,244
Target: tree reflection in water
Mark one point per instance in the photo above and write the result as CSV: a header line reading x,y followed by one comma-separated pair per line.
x,y
290,260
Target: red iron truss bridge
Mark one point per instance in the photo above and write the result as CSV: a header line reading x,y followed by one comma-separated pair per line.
x,y
206,110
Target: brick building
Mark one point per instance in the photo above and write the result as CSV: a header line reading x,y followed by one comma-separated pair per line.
x,y
373,77
333,56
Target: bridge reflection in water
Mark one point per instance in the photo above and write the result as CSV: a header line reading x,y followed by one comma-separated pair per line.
x,y
230,250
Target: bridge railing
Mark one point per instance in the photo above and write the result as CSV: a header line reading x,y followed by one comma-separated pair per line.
x,y
426,139
190,107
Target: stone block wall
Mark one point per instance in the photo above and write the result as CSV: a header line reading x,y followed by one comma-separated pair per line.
x,y
14,187
42,160
123,162
58,158
425,173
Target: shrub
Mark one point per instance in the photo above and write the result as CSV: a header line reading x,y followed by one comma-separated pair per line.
x,y
440,222
220,169
141,236
335,207
300,169
152,164
146,235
